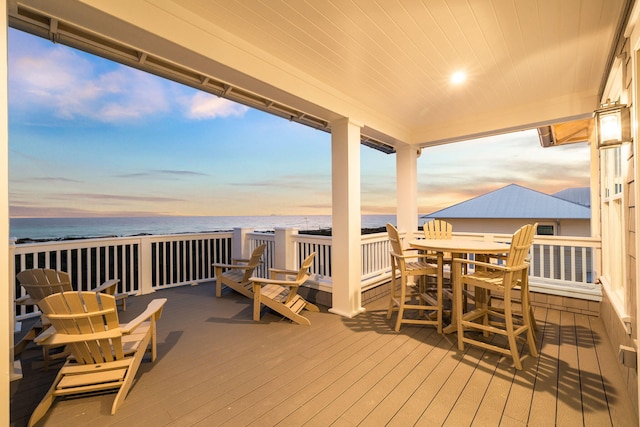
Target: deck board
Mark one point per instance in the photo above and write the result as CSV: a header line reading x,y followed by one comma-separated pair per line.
x,y
216,366
570,408
611,378
517,407
470,400
545,388
592,390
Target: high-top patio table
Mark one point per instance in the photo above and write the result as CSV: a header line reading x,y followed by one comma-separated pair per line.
x,y
458,249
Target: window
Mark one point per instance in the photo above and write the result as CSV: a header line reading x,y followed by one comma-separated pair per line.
x,y
545,230
613,224
612,171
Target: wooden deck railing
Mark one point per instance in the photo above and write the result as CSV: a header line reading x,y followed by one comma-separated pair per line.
x,y
559,265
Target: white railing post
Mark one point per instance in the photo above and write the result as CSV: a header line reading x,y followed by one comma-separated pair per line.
x,y
145,266
285,250
240,243
15,368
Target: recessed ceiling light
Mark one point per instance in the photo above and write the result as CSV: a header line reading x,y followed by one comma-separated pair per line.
x,y
458,77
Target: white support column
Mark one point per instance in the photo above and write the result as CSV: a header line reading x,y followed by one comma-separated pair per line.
x,y
407,188
239,247
285,250
16,372
145,266
346,220
6,324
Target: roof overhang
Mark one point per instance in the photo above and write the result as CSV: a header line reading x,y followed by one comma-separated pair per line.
x,y
567,132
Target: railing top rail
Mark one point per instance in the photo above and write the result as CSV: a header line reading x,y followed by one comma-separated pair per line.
x,y
310,238
261,235
102,241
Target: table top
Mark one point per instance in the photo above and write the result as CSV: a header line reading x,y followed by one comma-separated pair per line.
x,y
460,246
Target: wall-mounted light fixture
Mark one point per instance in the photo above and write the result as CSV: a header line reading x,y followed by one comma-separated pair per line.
x,y
613,125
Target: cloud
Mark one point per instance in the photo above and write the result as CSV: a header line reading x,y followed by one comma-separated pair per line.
x,y
70,85
127,94
180,172
156,173
117,197
19,211
206,106
66,84
49,179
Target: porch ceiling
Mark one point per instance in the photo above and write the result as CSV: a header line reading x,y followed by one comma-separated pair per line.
x,y
384,64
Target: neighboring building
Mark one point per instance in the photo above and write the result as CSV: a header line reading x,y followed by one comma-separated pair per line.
x,y
566,213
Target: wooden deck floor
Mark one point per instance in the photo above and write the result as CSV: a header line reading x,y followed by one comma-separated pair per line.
x,y
218,367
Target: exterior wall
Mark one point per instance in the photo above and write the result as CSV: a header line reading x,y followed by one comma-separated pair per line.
x,y
569,227
610,314
618,336
631,377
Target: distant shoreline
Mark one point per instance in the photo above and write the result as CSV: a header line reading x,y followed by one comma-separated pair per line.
x,y
319,232
36,230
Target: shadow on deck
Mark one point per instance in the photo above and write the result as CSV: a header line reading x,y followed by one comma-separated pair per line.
x,y
216,366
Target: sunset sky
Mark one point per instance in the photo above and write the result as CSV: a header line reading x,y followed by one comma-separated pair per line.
x,y
89,137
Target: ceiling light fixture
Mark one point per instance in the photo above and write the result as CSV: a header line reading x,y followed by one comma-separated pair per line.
x,y
613,126
458,77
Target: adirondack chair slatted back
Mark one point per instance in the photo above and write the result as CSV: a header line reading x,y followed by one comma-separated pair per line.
x,y
396,247
520,244
305,267
42,282
437,229
300,278
256,258
90,314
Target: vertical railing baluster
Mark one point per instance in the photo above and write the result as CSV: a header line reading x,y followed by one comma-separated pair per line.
x,y
552,261
543,262
573,269
562,263
584,264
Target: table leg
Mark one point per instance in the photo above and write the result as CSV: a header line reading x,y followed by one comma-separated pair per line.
x,y
439,284
457,294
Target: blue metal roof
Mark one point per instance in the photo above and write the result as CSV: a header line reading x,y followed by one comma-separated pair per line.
x,y
581,195
515,201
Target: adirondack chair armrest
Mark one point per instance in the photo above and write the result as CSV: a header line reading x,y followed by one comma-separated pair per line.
x,y
232,266
236,261
45,334
478,263
153,312
108,287
412,255
26,300
260,281
489,265
54,338
274,272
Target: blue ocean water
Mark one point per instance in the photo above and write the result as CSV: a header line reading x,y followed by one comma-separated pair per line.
x,y
60,228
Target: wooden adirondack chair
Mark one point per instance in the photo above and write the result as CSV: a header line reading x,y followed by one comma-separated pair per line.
x,y
437,229
42,282
105,355
237,274
501,277
281,295
39,283
406,297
